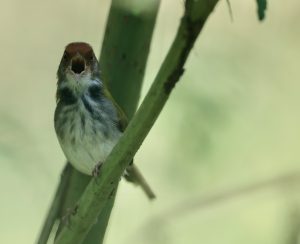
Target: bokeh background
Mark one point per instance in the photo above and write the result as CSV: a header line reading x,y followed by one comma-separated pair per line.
x,y
232,120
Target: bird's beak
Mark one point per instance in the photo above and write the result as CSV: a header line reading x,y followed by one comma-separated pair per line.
x,y
78,64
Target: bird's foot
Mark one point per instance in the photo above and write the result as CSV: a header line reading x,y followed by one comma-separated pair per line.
x,y
97,169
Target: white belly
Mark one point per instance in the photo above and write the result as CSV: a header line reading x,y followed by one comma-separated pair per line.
x,y
84,155
88,145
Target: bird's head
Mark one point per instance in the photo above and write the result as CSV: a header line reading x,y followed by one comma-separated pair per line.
x,y
79,66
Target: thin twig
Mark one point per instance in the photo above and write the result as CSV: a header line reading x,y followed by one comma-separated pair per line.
x,y
211,200
203,202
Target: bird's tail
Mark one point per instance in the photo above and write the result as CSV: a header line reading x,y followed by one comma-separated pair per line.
x,y
132,174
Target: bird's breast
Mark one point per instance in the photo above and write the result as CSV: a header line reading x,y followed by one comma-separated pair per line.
x,y
86,134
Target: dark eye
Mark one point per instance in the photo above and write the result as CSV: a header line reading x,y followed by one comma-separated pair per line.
x,y
91,58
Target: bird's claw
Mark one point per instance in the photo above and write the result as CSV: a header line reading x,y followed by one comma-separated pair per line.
x,y
97,169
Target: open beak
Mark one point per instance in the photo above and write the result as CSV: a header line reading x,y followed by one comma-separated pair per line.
x,y
78,64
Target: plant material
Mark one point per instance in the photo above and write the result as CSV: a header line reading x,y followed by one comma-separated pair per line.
x,y
93,200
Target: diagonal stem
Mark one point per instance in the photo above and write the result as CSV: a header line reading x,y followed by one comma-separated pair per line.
x,y
91,203
134,20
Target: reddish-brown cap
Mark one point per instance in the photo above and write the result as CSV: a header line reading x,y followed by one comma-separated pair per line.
x,y
79,47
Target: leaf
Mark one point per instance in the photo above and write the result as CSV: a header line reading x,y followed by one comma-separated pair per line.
x,y
261,9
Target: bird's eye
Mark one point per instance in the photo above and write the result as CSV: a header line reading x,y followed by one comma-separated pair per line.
x,y
91,58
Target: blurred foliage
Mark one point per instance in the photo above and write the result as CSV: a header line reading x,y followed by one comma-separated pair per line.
x,y
234,119
261,8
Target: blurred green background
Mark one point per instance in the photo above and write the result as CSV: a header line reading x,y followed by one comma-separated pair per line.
x,y
232,120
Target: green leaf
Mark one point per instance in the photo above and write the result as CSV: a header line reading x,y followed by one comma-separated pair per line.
x,y
261,9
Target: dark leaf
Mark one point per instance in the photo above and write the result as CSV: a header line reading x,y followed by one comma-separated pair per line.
x,y
261,9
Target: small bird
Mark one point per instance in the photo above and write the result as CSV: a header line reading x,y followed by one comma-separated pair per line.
x,y
88,122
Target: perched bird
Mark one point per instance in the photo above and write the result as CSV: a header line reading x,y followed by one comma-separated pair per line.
x,y
88,122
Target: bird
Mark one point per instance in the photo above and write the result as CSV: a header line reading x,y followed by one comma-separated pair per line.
x,y
88,122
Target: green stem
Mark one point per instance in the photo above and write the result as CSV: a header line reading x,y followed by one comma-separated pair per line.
x,y
55,209
125,49
123,60
77,184
97,233
92,202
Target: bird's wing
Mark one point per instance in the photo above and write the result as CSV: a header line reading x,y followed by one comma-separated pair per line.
x,y
123,121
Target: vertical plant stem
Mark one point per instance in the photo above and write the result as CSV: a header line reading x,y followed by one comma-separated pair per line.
x,y
123,61
125,49
55,208
77,184
92,201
